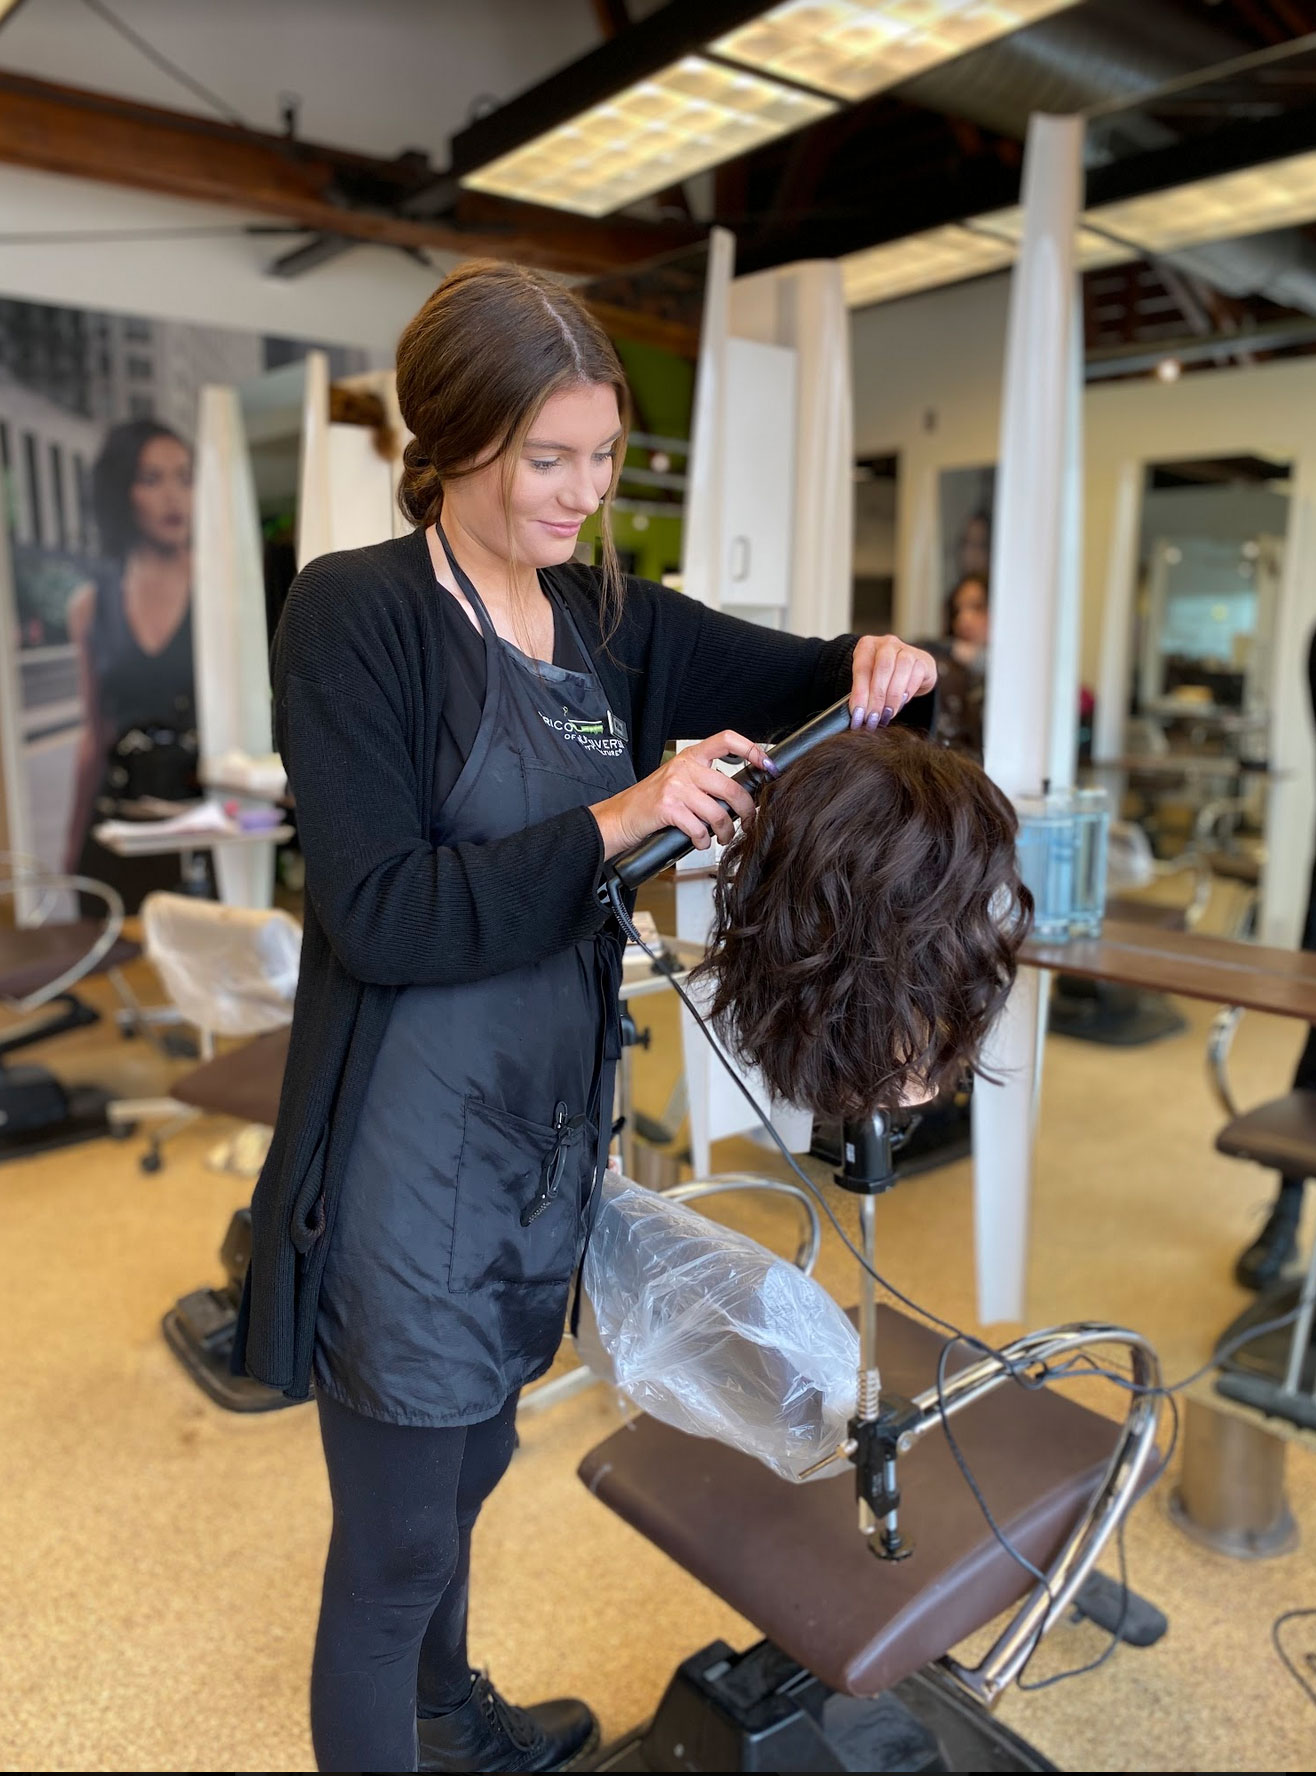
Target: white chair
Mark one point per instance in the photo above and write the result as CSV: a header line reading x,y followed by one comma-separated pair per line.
x,y
230,971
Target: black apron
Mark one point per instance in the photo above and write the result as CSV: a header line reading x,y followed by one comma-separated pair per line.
x,y
474,1168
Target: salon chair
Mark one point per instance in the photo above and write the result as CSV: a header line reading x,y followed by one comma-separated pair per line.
x,y
231,972
245,1083
854,1671
1276,1373
40,964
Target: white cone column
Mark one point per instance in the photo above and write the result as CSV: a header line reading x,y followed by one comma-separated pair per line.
x,y
1032,667
232,672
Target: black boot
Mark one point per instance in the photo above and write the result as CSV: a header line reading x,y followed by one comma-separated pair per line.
x,y
1263,1261
486,1733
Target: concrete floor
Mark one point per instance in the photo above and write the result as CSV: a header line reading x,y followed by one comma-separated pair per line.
x,y
160,1559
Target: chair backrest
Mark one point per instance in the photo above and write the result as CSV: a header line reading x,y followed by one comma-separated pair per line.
x,y
229,970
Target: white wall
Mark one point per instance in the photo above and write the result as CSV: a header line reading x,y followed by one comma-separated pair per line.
x,y
927,387
380,78
215,279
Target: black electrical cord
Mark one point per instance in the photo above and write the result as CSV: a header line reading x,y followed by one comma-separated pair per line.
x,y
1041,1375
1293,1615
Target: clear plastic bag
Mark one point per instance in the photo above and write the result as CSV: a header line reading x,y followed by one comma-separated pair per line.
x,y
708,1331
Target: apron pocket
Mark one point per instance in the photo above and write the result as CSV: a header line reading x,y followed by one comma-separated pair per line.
x,y
520,1185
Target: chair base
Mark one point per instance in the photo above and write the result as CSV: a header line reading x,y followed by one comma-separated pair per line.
x,y
759,1710
84,1118
1114,1015
199,1331
1255,1374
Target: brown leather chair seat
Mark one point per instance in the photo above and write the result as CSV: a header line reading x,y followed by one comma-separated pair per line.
x,y
790,1558
30,958
1236,866
244,1082
1280,1135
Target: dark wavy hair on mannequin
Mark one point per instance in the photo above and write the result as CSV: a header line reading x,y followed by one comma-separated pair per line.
x,y
867,924
474,368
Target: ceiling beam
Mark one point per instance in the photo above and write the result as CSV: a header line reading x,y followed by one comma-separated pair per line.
x,y
644,328
90,135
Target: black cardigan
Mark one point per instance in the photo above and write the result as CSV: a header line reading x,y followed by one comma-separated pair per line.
x,y
358,677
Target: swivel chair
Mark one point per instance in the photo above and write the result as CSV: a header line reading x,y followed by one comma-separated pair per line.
x,y
232,971
41,961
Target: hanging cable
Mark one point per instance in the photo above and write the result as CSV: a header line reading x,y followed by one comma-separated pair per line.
x,y
162,61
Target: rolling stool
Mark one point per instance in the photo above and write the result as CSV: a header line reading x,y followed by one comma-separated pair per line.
x,y
1231,1494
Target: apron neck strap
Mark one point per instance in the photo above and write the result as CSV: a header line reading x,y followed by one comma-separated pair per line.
x,y
467,586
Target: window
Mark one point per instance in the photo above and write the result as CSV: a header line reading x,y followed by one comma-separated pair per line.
x,y
141,407
57,488
37,529
139,369
82,481
138,330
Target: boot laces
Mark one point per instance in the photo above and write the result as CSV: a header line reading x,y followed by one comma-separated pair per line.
x,y
513,1723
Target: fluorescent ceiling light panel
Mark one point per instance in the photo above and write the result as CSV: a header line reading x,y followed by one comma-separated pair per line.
x,y
687,117
1280,194
949,255
921,262
857,47
1092,250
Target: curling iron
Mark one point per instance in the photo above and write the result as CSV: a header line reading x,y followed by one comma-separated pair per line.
x,y
638,865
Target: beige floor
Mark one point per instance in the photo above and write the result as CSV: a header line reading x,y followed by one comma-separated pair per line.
x,y
159,1559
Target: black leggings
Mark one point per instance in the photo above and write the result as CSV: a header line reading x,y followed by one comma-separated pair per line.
x,y
392,1632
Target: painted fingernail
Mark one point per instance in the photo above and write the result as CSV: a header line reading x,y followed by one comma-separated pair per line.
x,y
888,714
771,767
857,719
874,722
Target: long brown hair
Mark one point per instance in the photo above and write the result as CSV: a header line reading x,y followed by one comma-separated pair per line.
x,y
867,923
474,368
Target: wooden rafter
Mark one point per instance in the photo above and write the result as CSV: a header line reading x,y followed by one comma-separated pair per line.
x,y
92,135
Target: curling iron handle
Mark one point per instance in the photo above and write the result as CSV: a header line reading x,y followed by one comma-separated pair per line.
x,y
647,859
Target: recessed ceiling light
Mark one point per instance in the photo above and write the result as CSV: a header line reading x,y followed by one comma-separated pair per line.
x,y
854,48
677,122
1169,370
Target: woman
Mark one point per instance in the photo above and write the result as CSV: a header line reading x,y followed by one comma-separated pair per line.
x,y
132,627
961,656
472,724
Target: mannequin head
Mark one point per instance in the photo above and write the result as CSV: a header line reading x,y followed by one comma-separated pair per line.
x,y
518,408
867,924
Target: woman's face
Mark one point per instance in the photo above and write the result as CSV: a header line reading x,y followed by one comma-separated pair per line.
x,y
161,494
560,478
968,621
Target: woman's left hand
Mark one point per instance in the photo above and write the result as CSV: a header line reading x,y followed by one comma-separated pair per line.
x,y
887,673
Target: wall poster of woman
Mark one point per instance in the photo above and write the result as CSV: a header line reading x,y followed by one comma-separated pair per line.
x,y
97,672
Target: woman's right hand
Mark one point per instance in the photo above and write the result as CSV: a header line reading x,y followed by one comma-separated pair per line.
x,y
685,792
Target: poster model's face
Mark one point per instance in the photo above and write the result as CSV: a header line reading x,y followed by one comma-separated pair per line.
x,y
563,473
162,494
